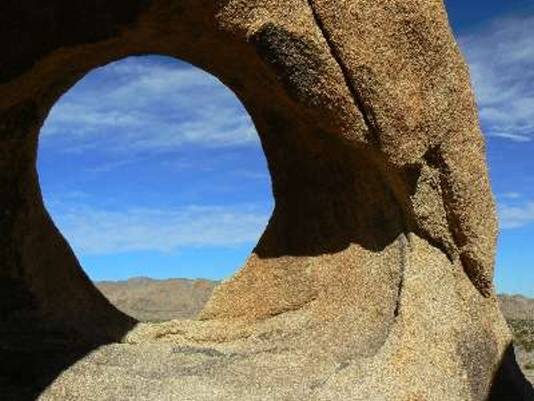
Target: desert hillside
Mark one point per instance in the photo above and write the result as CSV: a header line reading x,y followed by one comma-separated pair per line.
x,y
157,300
519,311
517,307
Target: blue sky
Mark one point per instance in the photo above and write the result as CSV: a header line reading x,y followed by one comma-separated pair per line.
x,y
151,167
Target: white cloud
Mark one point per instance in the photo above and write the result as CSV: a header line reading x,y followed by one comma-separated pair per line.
x,y
145,104
96,231
501,58
516,216
254,175
510,195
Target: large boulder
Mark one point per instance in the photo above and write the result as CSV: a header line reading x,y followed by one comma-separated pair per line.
x,y
374,277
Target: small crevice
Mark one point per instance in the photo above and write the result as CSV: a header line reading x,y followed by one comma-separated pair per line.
x,y
434,159
364,109
411,176
472,268
404,243
293,308
370,122
188,350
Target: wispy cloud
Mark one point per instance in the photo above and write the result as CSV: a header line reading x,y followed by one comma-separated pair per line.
x,y
148,104
98,231
516,216
501,58
510,195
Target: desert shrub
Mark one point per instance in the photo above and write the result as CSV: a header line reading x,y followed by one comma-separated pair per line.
x,y
523,331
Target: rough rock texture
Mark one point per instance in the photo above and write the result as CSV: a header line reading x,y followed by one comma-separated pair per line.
x,y
373,280
150,300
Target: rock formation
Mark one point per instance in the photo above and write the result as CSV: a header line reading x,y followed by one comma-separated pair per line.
x,y
373,279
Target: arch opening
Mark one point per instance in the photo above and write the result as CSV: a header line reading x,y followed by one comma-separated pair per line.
x,y
323,175
154,173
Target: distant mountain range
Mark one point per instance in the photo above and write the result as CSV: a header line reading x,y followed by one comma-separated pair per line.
x,y
156,300
517,307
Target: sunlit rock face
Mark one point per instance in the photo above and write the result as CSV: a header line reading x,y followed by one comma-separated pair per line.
x,y
373,279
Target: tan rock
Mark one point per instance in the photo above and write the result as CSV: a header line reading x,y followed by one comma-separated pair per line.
x,y
373,280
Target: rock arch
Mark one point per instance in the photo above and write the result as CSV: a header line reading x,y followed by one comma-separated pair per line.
x,y
384,222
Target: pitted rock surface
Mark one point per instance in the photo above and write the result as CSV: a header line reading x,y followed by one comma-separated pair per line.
x,y
374,277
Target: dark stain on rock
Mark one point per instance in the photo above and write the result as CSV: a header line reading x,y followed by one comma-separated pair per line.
x,y
474,269
477,353
476,273
297,61
411,174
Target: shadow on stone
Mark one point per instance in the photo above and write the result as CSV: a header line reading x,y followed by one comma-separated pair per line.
x,y
33,354
34,350
509,383
24,374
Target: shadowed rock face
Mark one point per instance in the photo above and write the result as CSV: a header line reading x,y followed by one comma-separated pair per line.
x,y
378,259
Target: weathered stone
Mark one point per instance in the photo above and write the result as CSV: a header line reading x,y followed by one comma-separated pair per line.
x,y
373,279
